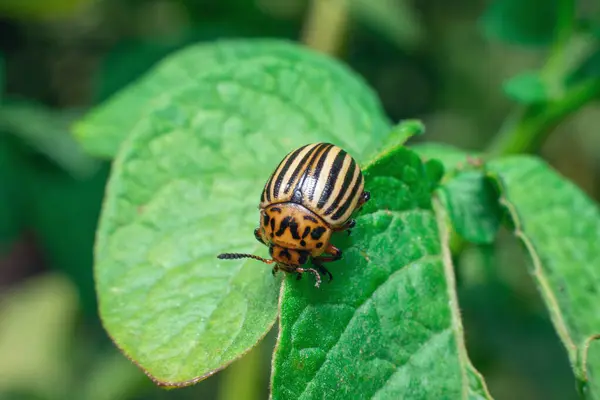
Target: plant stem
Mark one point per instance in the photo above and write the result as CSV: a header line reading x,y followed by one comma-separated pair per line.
x,y
565,27
326,26
527,129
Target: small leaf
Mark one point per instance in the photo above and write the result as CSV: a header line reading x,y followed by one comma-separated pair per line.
x,y
473,207
527,88
388,325
185,187
528,23
400,133
105,128
559,227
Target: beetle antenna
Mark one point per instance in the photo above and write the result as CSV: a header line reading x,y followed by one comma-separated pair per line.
x,y
235,256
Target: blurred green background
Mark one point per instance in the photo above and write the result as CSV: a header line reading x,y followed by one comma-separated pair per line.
x,y
427,59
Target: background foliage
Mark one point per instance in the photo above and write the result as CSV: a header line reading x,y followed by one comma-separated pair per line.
x,y
500,77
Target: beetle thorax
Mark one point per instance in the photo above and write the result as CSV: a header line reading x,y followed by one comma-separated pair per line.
x,y
292,226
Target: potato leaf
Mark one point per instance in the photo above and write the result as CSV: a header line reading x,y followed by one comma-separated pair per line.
x,y
559,227
388,324
185,187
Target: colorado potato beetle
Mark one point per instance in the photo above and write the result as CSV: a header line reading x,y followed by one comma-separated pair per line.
x,y
312,193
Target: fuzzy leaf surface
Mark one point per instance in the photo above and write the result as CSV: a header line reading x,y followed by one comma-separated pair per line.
x,y
185,187
387,326
106,127
559,226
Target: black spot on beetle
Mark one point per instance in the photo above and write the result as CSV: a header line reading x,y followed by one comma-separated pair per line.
x,y
272,225
276,209
266,219
285,253
285,223
317,232
319,245
294,229
310,218
303,258
302,243
306,232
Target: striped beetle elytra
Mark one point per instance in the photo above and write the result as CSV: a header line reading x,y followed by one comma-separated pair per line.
x,y
312,193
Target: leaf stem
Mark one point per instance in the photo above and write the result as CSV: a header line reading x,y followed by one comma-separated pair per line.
x,y
326,25
527,128
565,27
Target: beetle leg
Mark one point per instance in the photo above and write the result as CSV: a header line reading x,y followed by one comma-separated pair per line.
x,y
336,254
366,196
312,271
348,225
258,236
323,270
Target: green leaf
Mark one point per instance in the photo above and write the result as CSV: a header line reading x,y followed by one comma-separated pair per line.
x,y
559,226
399,134
130,59
527,23
388,325
473,207
453,158
105,128
185,187
527,88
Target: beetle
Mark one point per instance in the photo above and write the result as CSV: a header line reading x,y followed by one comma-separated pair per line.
x,y
312,193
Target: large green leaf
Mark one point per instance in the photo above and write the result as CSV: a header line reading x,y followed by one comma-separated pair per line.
x,y
388,325
103,130
185,187
559,226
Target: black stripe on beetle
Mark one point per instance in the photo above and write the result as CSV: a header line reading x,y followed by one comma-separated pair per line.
x,y
342,210
320,149
283,171
318,169
336,167
347,180
297,170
